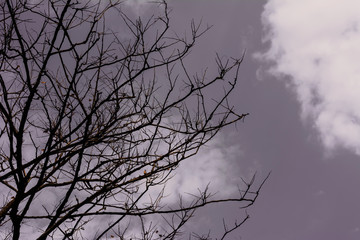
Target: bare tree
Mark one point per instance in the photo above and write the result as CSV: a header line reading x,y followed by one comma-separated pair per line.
x,y
96,115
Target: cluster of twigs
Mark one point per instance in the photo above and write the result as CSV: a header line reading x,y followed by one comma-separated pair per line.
x,y
98,116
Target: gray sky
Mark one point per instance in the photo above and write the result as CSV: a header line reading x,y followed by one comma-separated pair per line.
x,y
299,82
302,94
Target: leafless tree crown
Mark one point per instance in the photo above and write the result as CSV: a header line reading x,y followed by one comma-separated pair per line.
x,y
96,114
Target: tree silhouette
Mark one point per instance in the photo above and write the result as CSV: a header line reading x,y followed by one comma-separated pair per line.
x,y
96,115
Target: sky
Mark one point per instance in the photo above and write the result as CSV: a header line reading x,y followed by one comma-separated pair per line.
x,y
299,82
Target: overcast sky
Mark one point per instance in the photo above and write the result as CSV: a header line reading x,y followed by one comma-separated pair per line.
x,y
300,83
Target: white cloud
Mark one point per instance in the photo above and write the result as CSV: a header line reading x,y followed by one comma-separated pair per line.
x,y
214,165
316,43
139,7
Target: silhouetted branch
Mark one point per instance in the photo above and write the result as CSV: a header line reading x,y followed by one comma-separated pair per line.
x,y
97,108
